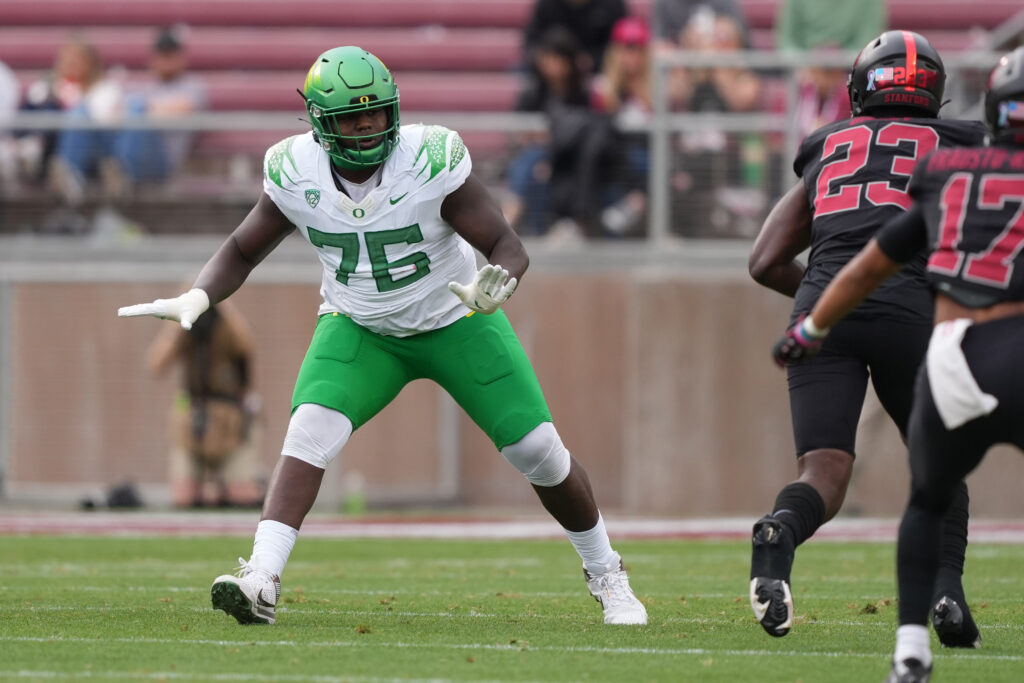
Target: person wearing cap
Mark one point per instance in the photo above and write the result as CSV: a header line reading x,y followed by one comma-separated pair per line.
x,y
121,158
170,92
622,90
589,21
669,19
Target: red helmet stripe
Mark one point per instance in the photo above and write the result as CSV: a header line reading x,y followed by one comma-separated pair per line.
x,y
908,39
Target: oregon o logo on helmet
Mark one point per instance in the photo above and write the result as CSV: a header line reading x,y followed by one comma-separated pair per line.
x,y
364,99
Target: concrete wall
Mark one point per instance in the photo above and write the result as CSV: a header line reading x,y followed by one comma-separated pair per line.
x,y
659,381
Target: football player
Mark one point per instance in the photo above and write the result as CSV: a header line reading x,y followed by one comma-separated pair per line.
x,y
966,217
394,214
854,176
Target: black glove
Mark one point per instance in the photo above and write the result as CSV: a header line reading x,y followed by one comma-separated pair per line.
x,y
797,345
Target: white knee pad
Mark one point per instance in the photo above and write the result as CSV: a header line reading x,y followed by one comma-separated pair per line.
x,y
540,456
316,434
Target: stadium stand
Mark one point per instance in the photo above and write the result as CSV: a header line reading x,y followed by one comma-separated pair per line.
x,y
448,55
476,45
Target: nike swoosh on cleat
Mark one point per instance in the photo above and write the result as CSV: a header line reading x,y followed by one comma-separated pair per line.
x,y
395,200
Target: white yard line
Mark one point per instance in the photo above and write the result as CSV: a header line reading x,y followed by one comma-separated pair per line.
x,y
179,676
510,647
483,615
148,524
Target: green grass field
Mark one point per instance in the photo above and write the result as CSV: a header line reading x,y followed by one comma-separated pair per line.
x,y
396,610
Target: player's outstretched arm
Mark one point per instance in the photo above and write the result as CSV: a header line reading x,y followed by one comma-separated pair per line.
x,y
785,234
184,308
255,237
473,213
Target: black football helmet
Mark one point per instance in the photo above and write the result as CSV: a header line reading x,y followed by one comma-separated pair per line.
x,y
1004,100
899,70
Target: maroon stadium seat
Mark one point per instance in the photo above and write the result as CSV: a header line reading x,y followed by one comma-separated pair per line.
x,y
241,90
275,13
944,40
420,91
292,49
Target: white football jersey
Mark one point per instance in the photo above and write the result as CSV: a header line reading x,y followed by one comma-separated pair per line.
x,y
387,259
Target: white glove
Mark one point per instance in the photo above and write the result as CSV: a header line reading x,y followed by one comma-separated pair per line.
x,y
184,309
488,291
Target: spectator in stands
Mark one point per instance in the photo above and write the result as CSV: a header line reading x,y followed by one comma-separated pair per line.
x,y
718,88
623,91
212,418
10,93
557,82
821,96
709,161
825,27
77,79
10,97
810,24
171,93
589,21
671,17
571,175
122,158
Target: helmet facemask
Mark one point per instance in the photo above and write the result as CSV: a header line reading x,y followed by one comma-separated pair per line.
x,y
346,81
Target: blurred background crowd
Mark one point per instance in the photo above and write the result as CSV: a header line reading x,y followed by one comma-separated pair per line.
x,y
147,117
636,145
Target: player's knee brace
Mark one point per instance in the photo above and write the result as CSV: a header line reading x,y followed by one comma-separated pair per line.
x,y
540,456
316,434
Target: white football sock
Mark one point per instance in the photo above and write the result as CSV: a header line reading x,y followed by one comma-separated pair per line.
x,y
272,546
594,548
912,643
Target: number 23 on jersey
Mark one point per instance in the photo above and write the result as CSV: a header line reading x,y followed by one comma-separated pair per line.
x,y
854,146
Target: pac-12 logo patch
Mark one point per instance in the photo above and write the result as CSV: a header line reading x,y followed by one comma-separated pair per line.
x,y
312,198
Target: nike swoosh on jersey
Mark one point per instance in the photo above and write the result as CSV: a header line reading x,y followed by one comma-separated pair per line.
x,y
395,200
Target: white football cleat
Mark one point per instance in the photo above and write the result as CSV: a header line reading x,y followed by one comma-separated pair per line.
x,y
612,590
250,596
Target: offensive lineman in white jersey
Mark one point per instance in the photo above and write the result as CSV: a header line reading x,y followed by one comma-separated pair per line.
x,y
394,214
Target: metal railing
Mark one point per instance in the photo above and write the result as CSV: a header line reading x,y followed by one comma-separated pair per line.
x,y
963,103
962,91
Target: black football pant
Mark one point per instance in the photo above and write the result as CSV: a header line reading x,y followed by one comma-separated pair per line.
x,y
941,458
826,395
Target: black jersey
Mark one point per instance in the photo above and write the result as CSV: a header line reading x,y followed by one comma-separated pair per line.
x,y
969,213
856,174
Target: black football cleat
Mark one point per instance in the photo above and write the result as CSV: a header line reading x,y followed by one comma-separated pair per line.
x,y
770,596
772,603
909,671
954,625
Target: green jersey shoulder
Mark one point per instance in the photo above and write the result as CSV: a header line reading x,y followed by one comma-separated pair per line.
x,y
423,154
279,165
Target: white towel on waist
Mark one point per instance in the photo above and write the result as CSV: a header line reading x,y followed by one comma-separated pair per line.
x,y
956,393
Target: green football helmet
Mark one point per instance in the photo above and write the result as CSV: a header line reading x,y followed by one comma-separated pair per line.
x,y
344,80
